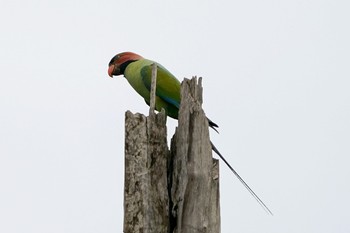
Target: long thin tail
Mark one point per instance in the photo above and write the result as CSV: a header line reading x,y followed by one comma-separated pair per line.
x,y
242,181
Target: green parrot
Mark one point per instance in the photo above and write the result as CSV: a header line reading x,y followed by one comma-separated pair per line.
x,y
138,71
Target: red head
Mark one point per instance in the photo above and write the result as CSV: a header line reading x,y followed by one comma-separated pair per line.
x,y
120,61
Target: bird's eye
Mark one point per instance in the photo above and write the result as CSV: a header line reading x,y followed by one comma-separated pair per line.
x,y
112,61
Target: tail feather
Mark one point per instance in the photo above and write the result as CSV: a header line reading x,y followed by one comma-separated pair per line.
x,y
213,125
262,204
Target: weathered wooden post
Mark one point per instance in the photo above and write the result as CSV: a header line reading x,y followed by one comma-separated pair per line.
x,y
176,191
145,188
195,175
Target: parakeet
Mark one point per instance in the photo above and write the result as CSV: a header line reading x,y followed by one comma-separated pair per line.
x,y
138,71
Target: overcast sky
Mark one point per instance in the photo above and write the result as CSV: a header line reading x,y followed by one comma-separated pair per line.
x,y
276,79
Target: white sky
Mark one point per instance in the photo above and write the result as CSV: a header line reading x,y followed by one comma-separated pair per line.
x,y
276,79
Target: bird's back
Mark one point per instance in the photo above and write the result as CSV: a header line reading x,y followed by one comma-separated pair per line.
x,y
139,74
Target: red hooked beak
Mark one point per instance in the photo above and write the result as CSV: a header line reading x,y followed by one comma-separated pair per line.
x,y
110,70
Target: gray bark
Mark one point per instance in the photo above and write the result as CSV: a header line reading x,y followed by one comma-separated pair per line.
x,y
195,176
145,187
177,191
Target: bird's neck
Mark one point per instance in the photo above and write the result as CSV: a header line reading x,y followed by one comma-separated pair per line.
x,y
124,65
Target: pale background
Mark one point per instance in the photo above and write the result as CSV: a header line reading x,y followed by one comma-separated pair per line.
x,y
276,79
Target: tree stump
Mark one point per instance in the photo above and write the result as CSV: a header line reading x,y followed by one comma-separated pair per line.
x,y
195,175
176,191
146,198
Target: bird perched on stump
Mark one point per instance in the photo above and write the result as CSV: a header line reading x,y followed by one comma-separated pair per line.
x,y
138,71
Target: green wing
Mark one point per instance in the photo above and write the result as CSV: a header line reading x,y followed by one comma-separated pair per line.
x,y
168,87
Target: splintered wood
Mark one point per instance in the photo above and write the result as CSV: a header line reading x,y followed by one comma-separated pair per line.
x,y
173,191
